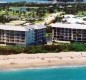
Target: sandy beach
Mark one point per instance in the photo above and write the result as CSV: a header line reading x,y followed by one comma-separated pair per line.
x,y
42,60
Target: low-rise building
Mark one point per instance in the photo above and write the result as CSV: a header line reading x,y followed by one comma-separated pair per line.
x,y
69,18
22,35
68,32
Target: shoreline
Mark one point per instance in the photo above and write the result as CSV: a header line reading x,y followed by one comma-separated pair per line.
x,y
43,67
48,60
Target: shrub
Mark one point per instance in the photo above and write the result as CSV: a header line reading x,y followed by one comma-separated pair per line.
x,y
78,47
52,48
35,49
6,50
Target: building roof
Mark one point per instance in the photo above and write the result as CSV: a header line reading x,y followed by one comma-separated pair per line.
x,y
39,26
35,26
21,28
71,26
75,20
14,28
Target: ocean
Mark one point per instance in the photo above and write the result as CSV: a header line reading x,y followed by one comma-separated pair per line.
x,y
65,73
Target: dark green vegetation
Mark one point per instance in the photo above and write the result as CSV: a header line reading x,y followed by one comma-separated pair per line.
x,y
36,13
6,50
67,7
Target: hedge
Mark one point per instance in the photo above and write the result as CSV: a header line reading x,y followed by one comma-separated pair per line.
x,y
6,50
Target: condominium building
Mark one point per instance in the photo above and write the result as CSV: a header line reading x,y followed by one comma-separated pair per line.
x,y
68,32
22,35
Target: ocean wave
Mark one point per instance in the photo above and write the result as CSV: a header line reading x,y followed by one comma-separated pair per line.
x,y
40,68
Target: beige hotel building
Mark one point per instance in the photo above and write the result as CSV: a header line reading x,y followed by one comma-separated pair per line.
x,y
68,32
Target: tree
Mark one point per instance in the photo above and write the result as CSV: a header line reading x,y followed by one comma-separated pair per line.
x,y
4,19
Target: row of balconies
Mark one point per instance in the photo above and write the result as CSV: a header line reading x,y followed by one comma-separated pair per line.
x,y
12,41
69,35
12,38
12,33
69,38
57,32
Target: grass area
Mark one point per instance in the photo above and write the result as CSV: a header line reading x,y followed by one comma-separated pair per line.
x,y
36,15
38,21
29,15
81,13
8,13
46,15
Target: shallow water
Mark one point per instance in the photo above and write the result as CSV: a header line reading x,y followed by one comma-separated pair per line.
x,y
67,73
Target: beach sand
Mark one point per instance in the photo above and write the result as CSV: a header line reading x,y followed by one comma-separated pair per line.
x,y
42,60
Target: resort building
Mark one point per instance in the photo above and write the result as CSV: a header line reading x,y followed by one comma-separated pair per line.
x,y
22,35
68,32
72,19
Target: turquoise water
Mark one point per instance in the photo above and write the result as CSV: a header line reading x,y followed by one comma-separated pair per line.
x,y
45,74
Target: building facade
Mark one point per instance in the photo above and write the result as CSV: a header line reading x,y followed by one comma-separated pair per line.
x,y
69,32
22,35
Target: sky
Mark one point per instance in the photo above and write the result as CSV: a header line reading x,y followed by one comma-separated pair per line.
x,y
23,0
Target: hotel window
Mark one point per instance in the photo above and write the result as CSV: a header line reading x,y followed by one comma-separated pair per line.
x,y
11,34
17,33
22,41
16,40
83,35
74,31
62,30
57,37
84,39
11,40
84,31
7,41
74,35
65,34
75,39
65,30
54,33
23,34
11,37
7,32
22,38
79,39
